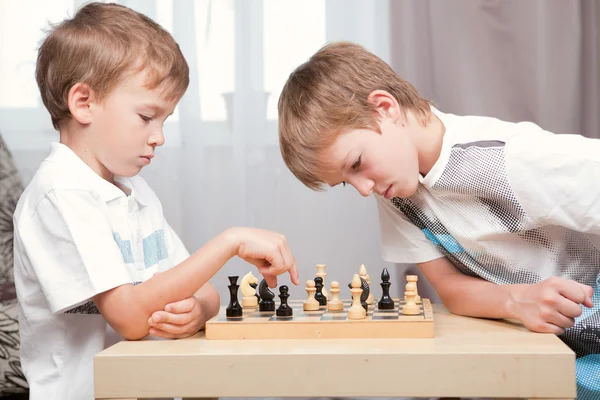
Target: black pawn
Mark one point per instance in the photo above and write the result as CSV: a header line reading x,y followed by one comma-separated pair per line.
x,y
266,302
253,286
319,296
386,302
365,293
284,309
234,309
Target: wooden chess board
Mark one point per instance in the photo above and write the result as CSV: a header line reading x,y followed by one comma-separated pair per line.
x,y
323,324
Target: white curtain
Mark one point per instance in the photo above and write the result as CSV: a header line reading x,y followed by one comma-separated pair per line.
x,y
221,164
517,60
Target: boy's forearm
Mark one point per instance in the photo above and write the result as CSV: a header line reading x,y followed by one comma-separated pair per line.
x,y
135,304
468,295
209,300
475,297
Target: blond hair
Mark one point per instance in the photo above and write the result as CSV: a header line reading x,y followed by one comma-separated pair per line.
x,y
329,94
100,46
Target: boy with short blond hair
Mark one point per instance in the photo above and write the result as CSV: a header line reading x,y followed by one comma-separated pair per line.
x,y
95,259
497,215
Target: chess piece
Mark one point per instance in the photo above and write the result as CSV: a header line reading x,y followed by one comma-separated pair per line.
x,y
233,310
356,310
335,304
319,296
310,304
284,310
266,297
254,285
365,292
248,293
362,272
386,302
411,307
370,299
321,273
414,278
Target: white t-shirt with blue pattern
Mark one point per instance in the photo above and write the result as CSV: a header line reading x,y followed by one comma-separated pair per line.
x,y
77,235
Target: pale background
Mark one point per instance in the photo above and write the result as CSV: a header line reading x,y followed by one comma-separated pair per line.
x,y
531,60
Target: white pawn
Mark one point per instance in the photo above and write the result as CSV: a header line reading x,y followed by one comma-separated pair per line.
x,y
321,272
413,279
411,307
335,304
310,304
356,310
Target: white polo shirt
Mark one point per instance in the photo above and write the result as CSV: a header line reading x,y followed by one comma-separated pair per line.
x,y
509,203
77,235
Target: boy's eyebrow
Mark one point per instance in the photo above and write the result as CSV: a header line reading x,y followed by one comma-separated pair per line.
x,y
156,107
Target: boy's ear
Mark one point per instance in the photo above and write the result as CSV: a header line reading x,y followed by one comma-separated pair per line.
x,y
81,97
386,104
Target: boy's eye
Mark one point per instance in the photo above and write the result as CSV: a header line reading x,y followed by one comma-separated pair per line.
x,y
356,163
145,118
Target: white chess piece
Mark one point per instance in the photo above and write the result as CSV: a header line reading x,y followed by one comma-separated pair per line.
x,y
413,279
310,304
321,272
335,304
411,307
356,310
362,271
249,299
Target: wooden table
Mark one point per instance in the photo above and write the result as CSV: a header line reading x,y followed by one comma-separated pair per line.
x,y
468,357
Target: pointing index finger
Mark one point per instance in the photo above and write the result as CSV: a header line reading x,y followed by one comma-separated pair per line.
x,y
294,275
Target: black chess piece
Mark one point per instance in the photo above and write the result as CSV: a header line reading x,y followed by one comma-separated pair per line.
x,y
284,310
234,309
365,293
386,302
253,286
319,296
266,302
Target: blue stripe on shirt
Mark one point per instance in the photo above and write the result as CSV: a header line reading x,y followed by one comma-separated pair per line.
x,y
125,247
154,248
445,240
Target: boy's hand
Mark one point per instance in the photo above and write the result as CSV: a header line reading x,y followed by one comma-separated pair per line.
x,y
551,306
268,250
179,320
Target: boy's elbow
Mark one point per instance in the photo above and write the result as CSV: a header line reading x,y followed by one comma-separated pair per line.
x,y
131,326
125,315
133,333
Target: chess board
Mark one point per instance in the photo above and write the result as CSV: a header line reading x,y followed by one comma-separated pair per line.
x,y
323,324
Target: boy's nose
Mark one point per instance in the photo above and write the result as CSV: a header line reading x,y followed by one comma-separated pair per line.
x,y
365,187
157,139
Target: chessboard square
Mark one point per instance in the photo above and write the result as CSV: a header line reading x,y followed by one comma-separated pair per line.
x,y
315,312
334,317
274,317
378,311
263,314
390,316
